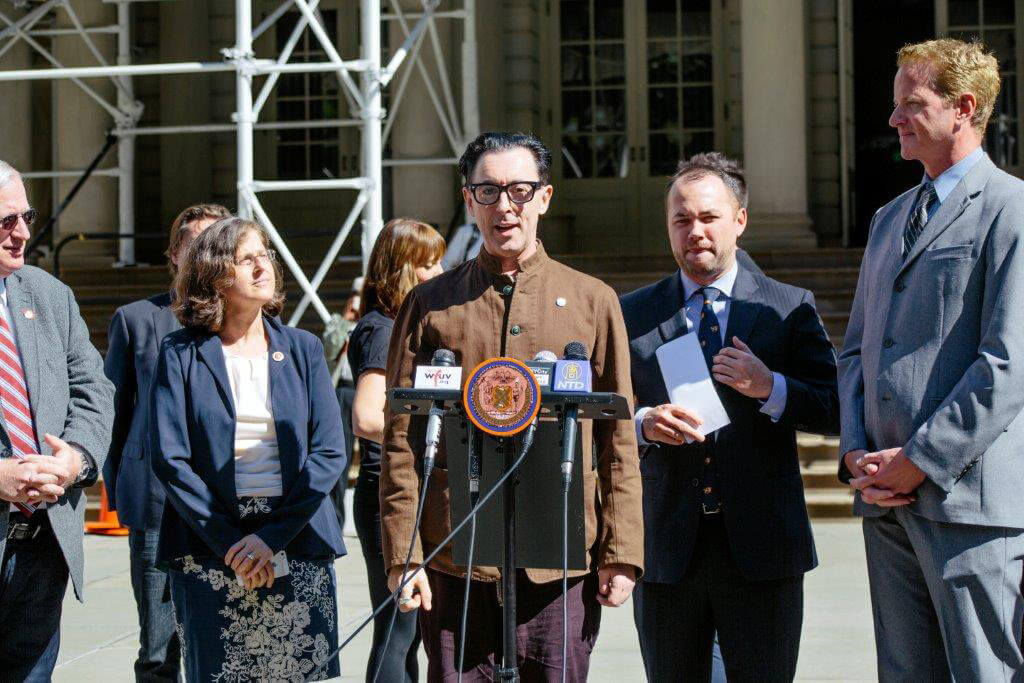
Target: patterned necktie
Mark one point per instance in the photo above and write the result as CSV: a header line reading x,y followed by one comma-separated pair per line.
x,y
708,333
17,412
918,218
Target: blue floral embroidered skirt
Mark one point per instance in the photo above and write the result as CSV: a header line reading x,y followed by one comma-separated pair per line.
x,y
232,635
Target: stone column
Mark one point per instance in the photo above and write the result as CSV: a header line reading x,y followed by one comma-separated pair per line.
x,y
186,161
775,124
80,127
428,193
16,114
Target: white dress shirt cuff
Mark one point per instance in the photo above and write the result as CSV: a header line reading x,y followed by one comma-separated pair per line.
x,y
638,420
776,403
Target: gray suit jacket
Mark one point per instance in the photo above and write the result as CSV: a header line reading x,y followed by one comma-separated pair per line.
x,y
132,353
69,395
933,359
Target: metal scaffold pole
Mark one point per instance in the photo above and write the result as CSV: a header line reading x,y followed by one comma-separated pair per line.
x,y
373,212
367,113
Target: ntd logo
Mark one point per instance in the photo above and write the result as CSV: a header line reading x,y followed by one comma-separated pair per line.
x,y
438,377
572,375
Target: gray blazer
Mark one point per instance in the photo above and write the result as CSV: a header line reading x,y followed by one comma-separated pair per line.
x,y
132,351
933,359
69,395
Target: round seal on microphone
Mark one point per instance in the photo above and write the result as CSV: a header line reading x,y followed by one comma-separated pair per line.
x,y
502,396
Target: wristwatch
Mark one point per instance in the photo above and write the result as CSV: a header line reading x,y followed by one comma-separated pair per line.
x,y
85,472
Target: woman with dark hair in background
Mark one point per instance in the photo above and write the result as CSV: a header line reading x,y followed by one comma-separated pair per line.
x,y
248,443
406,253
134,343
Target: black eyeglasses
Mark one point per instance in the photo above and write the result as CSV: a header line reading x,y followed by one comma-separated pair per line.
x,y
8,223
520,192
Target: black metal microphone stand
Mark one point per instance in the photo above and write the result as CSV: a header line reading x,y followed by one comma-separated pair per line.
x,y
509,671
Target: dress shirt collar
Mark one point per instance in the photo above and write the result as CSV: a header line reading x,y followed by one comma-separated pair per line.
x,y
949,178
723,284
3,290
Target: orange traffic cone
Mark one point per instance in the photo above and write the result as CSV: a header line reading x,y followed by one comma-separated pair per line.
x,y
107,525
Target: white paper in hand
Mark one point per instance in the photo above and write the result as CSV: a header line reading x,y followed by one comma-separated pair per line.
x,y
689,383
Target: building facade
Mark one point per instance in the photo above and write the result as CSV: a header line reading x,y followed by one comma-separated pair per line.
x,y
800,90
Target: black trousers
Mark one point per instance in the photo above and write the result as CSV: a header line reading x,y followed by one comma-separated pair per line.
x,y
346,393
397,663
33,578
758,622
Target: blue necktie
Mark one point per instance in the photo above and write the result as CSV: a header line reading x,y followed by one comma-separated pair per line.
x,y
918,217
708,333
710,337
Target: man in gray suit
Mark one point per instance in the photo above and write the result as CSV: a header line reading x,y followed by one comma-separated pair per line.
x,y
932,386
55,406
133,346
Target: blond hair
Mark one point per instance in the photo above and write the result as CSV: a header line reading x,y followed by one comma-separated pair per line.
x,y
958,68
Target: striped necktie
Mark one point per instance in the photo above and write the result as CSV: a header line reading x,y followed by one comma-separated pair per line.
x,y
17,412
919,217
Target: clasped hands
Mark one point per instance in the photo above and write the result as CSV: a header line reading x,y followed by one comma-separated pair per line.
x,y
40,478
887,478
250,559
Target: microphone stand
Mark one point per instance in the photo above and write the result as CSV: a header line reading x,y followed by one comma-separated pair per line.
x,y
509,671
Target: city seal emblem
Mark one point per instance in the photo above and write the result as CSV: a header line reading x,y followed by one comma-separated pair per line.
x,y
501,397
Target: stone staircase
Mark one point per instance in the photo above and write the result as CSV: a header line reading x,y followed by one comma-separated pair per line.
x,y
831,274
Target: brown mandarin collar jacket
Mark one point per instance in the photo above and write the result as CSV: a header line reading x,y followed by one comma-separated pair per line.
x,y
466,311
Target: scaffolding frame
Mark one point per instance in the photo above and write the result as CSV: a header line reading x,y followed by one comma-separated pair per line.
x,y
364,98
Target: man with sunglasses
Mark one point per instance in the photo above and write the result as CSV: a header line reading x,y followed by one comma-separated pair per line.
x,y
512,300
55,409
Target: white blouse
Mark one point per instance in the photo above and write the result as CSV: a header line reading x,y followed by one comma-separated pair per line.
x,y
257,463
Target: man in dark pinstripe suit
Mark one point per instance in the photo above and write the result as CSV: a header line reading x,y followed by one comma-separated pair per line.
x,y
727,537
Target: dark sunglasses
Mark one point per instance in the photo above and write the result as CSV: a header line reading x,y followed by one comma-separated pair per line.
x,y
8,223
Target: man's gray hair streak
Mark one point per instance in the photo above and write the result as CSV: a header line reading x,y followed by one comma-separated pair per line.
x,y
7,173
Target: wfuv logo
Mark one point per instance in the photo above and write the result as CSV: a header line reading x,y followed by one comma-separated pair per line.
x,y
438,377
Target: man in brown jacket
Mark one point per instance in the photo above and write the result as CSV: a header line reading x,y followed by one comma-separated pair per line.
x,y
512,300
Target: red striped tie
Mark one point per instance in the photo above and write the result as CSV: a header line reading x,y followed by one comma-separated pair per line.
x,y
14,401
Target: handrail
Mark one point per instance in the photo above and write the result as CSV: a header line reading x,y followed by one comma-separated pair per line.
x,y
86,236
33,243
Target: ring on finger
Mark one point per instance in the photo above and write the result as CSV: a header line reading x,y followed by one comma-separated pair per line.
x,y
250,556
404,601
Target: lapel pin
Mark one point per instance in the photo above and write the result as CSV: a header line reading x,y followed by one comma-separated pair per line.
x,y
30,314
278,356
560,302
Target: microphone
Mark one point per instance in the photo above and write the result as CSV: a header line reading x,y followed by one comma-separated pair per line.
x,y
572,374
543,367
441,374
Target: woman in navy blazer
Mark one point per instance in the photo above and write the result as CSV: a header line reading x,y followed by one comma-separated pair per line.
x,y
248,444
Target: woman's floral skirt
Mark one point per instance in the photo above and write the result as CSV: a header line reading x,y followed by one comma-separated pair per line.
x,y
233,635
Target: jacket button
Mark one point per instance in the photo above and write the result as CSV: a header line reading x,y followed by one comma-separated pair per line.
x,y
516,329
707,461
695,483
707,490
887,396
887,343
899,286
507,290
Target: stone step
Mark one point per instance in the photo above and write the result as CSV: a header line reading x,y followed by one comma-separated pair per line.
x,y
829,503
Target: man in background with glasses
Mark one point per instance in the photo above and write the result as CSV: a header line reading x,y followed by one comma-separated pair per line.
x,y
512,300
55,408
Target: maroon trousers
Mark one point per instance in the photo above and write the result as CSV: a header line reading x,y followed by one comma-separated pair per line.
x,y
538,628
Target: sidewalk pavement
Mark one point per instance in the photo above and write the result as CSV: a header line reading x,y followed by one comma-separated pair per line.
x,y
100,638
